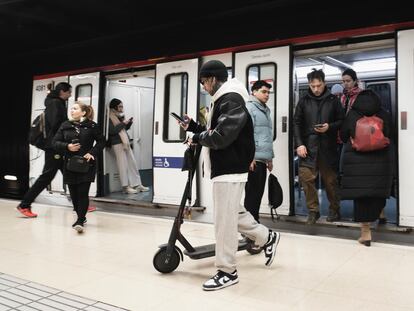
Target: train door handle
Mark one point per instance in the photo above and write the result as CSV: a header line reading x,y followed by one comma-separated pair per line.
x,y
156,128
284,124
403,120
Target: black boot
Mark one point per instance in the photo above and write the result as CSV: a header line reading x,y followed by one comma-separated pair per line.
x,y
333,216
313,217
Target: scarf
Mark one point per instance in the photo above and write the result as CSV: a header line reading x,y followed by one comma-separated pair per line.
x,y
114,116
348,98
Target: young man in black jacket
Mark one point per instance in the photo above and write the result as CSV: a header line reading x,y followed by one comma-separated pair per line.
x,y
318,117
228,143
55,115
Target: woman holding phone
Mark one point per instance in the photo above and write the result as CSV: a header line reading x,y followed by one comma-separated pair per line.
x,y
80,140
119,140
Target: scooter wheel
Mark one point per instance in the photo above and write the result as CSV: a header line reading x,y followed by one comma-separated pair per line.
x,y
166,264
253,250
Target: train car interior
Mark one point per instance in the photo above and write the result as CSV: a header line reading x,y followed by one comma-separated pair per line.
x,y
375,64
136,91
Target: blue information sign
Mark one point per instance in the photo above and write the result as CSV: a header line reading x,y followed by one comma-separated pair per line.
x,y
167,162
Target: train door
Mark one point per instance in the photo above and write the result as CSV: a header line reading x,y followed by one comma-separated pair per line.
x,y
274,66
136,92
374,63
405,57
85,89
177,88
40,90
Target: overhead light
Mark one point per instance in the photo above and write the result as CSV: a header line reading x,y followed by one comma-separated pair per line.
x,y
10,177
375,64
302,72
334,61
315,61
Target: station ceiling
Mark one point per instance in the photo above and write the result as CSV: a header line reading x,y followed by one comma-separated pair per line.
x,y
57,34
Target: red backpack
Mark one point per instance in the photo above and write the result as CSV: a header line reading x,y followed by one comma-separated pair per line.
x,y
369,135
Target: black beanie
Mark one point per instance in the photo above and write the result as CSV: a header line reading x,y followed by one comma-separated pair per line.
x,y
350,72
214,68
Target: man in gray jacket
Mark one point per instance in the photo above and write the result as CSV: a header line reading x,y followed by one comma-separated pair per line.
x,y
263,138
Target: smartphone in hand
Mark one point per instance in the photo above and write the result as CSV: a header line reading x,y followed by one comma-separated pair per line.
x,y
178,118
318,126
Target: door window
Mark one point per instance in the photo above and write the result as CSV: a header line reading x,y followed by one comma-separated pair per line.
x,y
176,90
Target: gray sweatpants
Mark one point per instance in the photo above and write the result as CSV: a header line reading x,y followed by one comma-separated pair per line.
x,y
127,167
231,217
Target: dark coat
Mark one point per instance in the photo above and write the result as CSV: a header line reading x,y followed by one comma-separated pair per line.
x,y
365,174
230,137
113,131
88,133
312,110
55,114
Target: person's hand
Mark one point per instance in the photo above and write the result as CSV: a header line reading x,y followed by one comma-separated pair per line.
x,y
322,129
302,151
187,120
252,166
126,122
74,147
270,165
89,157
189,141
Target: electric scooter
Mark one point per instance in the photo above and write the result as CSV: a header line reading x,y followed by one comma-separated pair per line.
x,y
169,255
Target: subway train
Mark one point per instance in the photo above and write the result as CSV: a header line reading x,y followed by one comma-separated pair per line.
x,y
151,89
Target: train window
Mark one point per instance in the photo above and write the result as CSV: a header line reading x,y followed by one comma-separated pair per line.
x,y
83,93
267,72
384,92
175,100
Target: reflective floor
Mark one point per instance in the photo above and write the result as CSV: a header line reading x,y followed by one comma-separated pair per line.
x,y
112,263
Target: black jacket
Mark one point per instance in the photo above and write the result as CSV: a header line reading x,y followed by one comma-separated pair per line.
x,y
230,137
88,133
313,110
365,174
55,114
113,131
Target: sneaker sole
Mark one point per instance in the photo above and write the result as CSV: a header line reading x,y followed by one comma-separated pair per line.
x,y
209,289
78,228
268,264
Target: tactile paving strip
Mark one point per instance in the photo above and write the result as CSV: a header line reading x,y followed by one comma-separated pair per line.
x,y
19,294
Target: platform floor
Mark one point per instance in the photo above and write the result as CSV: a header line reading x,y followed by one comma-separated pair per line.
x,y
111,263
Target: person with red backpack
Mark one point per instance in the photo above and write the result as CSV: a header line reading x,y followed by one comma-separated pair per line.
x,y
366,168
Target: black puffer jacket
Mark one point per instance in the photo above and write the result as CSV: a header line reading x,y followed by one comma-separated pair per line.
x,y
55,114
88,133
313,110
230,137
365,174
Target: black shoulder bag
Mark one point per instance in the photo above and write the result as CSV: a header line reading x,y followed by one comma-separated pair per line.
x,y
77,164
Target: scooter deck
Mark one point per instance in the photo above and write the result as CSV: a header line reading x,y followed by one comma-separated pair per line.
x,y
209,250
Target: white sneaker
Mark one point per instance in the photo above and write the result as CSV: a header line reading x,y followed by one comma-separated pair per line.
x,y
129,190
142,188
221,280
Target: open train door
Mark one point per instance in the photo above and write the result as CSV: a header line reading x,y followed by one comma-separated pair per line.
x,y
85,89
274,66
176,90
405,56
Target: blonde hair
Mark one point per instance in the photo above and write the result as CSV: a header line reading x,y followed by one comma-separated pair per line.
x,y
87,108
